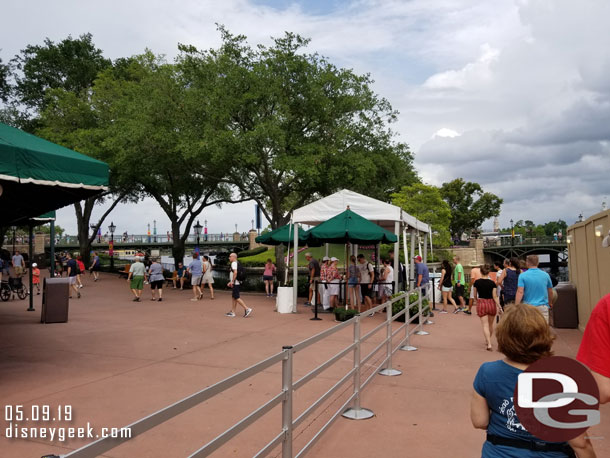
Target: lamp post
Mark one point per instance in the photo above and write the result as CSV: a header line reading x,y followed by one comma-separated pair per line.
x,y
155,230
205,230
512,233
111,228
197,228
148,233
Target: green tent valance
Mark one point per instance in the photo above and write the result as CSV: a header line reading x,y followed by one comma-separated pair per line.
x,y
351,227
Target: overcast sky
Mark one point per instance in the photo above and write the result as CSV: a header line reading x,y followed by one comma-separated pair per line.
x,y
513,94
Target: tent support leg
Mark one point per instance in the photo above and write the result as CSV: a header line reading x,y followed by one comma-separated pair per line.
x,y
31,259
411,262
295,271
396,256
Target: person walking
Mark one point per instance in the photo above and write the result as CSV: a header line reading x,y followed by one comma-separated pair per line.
x,y
81,270
156,279
180,276
18,263
137,272
487,303
196,271
535,288
35,277
459,281
234,284
208,276
314,276
524,338
268,279
446,287
353,278
72,269
95,266
509,279
475,274
422,275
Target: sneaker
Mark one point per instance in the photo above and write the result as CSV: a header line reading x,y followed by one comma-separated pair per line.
x,y
194,299
248,312
138,300
160,299
443,311
467,312
457,310
135,299
307,304
78,294
230,314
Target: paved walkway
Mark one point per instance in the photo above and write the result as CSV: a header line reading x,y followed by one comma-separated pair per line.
x,y
117,361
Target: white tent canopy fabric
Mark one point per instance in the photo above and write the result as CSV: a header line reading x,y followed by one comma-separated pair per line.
x,y
388,216
381,213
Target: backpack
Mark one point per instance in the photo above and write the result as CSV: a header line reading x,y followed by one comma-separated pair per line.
x,y
241,272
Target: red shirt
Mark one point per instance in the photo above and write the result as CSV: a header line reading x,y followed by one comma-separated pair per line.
x,y
594,349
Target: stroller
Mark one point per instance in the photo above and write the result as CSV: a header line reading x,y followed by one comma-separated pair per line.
x,y
14,285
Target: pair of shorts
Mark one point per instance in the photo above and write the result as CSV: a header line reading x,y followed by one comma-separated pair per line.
x,y
195,280
335,287
19,271
137,282
267,277
235,291
446,289
352,281
315,280
486,307
72,280
459,290
366,291
544,309
387,291
157,284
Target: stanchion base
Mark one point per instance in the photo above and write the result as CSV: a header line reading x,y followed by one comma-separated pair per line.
x,y
358,414
315,319
428,322
30,310
422,333
408,348
390,372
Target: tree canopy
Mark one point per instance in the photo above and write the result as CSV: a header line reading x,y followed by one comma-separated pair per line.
x,y
470,205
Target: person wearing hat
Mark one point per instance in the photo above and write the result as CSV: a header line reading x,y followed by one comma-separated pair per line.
x,y
422,275
324,290
36,277
314,276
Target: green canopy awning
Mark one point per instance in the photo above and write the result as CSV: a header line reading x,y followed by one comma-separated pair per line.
x,y
37,176
284,235
351,227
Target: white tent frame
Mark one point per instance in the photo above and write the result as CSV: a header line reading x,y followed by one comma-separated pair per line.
x,y
388,216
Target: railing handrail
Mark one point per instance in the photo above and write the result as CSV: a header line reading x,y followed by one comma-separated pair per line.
x,y
288,387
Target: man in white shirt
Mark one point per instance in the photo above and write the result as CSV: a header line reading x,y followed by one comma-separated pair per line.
x,y
234,284
367,277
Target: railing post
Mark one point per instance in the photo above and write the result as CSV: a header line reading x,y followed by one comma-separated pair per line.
x,y
388,370
430,314
356,412
420,331
407,346
287,402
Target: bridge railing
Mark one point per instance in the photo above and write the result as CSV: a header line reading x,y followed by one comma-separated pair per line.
x,y
133,239
507,242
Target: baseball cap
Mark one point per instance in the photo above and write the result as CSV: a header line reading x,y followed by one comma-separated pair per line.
x,y
333,259
417,257
34,265
308,255
325,258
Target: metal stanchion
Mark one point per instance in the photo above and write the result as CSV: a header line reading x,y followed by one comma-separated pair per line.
x,y
420,331
356,412
287,402
315,302
407,346
388,369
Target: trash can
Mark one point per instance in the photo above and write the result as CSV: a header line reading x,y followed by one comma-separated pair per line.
x,y
55,300
564,313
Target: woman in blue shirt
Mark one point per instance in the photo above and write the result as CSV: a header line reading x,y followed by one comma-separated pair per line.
x,y
523,337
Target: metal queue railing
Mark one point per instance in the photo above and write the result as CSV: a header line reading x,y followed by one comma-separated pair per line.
x,y
351,408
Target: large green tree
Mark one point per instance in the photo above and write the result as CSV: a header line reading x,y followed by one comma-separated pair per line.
x,y
161,128
296,127
425,203
470,205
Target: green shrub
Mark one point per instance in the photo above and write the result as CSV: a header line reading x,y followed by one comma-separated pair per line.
x,y
343,314
255,251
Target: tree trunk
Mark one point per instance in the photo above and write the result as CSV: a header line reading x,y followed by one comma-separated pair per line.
x,y
178,244
82,224
280,251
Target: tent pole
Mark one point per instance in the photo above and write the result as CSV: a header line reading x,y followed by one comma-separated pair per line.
x,y
52,249
31,259
405,248
295,267
396,255
411,262
326,249
425,255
